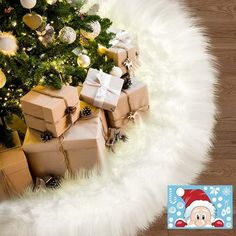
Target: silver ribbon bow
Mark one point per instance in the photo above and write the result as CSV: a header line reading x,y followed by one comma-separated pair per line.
x,y
121,38
103,82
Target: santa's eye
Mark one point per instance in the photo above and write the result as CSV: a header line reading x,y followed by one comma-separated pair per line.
x,y
198,217
203,217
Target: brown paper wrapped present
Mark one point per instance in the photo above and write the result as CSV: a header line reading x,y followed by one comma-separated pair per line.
x,y
14,173
133,102
85,142
44,158
51,110
124,50
101,90
80,147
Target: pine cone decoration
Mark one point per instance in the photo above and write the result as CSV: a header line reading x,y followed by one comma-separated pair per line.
x,y
70,110
46,136
86,111
53,182
127,82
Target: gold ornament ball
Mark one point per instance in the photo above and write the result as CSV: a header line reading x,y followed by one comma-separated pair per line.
x,y
102,50
96,30
28,4
8,43
2,79
83,61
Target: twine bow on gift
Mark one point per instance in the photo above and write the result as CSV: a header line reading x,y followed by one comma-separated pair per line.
x,y
132,115
103,82
115,135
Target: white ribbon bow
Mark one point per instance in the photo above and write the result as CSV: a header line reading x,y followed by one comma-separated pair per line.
x,y
103,81
122,37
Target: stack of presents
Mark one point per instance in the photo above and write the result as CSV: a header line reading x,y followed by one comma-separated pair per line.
x,y
69,129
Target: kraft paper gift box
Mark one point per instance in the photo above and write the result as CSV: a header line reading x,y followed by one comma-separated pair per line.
x,y
80,147
123,47
45,109
133,103
101,90
14,172
85,143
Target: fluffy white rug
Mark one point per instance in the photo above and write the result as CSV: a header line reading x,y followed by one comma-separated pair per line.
x,y
169,148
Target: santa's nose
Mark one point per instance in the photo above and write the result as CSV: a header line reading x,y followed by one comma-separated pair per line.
x,y
201,222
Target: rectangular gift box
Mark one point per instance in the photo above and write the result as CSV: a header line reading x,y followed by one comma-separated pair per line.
x,y
133,102
79,148
101,90
124,46
14,173
45,109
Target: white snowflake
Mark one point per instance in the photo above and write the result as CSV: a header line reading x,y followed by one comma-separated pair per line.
x,y
170,225
228,225
180,205
226,191
172,210
214,190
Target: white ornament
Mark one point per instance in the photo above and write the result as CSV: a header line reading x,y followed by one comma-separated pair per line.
x,y
180,192
51,2
96,29
28,4
67,35
116,71
8,43
83,61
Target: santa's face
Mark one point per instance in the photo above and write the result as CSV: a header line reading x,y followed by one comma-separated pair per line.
x,y
200,217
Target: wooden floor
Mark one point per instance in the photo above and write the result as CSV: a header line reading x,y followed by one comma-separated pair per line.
x,y
219,16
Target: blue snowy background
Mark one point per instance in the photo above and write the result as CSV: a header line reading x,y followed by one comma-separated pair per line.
x,y
221,197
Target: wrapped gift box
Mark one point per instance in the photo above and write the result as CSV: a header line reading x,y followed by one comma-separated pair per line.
x,y
101,90
45,109
123,47
81,147
14,173
133,103
44,158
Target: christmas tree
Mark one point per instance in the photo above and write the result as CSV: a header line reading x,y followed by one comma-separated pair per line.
x,y
49,43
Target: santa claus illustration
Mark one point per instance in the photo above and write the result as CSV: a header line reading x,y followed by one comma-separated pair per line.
x,y
199,211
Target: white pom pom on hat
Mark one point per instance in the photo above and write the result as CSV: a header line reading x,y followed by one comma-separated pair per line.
x,y
180,192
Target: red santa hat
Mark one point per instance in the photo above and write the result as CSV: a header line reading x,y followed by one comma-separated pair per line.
x,y
195,198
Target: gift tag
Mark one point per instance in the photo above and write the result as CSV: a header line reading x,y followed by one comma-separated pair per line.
x,y
32,20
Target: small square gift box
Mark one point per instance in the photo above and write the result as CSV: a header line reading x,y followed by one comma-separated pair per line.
x,y
101,90
133,103
51,110
124,51
14,171
79,149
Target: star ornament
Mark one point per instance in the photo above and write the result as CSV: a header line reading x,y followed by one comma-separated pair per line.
x,y
132,115
128,63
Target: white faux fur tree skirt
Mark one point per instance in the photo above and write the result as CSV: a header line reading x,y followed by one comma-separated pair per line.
x,y
171,147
